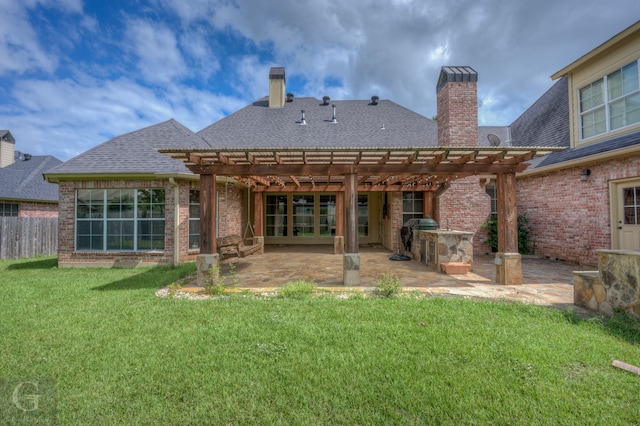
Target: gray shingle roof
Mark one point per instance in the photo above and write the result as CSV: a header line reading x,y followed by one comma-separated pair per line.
x,y
361,124
23,180
619,142
546,122
135,152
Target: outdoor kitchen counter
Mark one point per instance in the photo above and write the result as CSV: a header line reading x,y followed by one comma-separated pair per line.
x,y
445,246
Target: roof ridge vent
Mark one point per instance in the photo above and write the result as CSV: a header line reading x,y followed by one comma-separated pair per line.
x,y
374,100
325,100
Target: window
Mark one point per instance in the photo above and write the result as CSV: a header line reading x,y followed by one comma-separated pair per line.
x,y
610,103
120,219
327,215
491,190
363,215
412,206
194,219
9,209
303,216
631,205
276,216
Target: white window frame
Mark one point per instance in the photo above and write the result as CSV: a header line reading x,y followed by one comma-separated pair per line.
x,y
607,102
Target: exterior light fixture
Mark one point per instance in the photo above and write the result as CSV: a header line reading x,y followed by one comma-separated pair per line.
x,y
584,175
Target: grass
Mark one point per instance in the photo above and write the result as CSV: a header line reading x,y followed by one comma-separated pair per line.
x,y
117,354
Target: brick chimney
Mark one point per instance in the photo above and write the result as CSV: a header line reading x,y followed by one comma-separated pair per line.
x,y
277,87
457,96
7,148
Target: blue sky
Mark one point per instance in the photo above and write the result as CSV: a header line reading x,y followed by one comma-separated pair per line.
x,y
76,73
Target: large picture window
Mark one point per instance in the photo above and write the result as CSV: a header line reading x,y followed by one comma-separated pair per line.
x,y
120,219
611,102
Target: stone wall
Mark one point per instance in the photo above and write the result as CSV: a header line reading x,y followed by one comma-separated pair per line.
x,y
616,284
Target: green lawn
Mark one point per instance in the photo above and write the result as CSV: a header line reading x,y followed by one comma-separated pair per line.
x,y
105,350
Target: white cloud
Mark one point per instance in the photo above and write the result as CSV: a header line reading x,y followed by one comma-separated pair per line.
x,y
156,47
19,47
65,118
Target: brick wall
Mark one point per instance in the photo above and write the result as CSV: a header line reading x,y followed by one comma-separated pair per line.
x,y
569,218
458,114
396,220
38,210
231,204
465,206
231,200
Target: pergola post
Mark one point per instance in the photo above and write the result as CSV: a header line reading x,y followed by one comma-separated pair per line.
x,y
258,212
338,240
427,204
208,256
351,260
508,260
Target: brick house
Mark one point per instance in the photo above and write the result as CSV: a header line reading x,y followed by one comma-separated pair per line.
x,y
23,191
124,203
586,197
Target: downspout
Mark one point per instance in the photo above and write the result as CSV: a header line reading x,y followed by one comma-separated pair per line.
x,y
176,221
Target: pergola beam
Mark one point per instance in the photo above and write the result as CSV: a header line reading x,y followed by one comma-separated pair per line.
x,y
361,169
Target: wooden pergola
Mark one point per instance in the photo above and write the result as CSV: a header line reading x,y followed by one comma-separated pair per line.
x,y
347,171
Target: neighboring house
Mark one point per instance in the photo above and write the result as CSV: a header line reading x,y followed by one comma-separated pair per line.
x,y
23,190
124,203
586,197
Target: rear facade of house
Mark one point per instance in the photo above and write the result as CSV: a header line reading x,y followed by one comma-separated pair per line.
x,y
124,204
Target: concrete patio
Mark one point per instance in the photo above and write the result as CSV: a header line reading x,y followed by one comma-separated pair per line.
x,y
545,281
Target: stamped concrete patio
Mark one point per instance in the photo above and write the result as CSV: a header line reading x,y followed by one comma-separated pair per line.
x,y
545,282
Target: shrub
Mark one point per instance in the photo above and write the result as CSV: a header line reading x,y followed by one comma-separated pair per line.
x,y
525,245
388,286
297,289
214,284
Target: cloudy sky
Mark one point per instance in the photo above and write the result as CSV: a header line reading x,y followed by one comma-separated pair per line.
x,y
76,73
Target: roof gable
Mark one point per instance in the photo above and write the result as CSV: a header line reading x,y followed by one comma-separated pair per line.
x,y
135,152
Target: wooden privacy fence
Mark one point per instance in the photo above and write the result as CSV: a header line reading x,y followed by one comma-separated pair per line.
x,y
28,237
